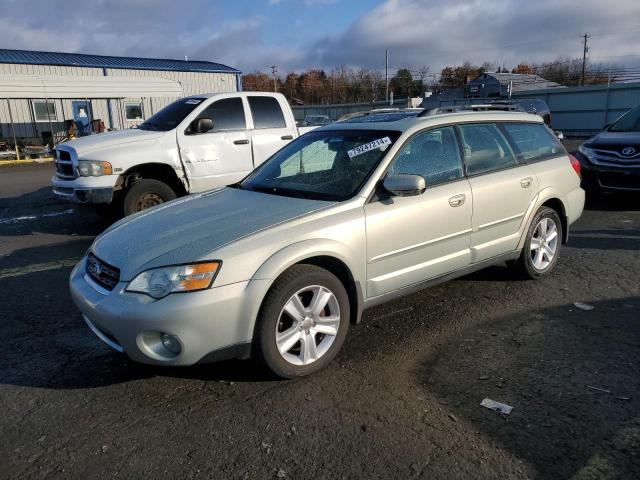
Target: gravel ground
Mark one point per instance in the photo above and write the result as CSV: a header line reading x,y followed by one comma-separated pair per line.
x,y
402,400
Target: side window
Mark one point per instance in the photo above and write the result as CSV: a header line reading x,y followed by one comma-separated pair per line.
x,y
533,141
266,112
433,154
485,148
227,114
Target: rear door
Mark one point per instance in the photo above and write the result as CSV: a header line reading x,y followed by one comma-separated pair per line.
x,y
412,239
271,131
222,155
502,189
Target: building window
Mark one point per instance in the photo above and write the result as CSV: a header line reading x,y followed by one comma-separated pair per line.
x,y
44,110
133,111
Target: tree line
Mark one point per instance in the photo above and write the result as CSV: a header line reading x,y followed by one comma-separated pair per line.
x,y
362,85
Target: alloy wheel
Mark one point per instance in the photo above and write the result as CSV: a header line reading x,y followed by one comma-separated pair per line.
x,y
544,243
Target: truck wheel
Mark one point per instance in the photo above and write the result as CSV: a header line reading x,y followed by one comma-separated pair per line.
x,y
145,194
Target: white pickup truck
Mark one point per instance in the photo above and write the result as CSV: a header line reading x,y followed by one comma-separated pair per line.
x,y
194,144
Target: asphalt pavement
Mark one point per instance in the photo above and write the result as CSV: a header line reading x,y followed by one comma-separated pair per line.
x,y
402,400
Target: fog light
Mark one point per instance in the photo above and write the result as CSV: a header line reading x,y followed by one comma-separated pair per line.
x,y
171,343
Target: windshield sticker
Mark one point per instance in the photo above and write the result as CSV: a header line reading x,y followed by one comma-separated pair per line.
x,y
381,143
193,101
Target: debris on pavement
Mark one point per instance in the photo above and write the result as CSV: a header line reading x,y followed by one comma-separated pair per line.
x,y
583,306
496,406
622,397
453,417
598,389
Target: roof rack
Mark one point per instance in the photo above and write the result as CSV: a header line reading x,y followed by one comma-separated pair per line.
x,y
485,107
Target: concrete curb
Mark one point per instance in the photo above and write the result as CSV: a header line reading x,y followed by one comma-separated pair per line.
x,y
29,161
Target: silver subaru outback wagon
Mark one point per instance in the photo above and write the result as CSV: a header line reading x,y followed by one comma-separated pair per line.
x,y
348,216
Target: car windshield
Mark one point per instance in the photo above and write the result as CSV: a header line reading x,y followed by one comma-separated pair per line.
x,y
322,165
629,122
170,116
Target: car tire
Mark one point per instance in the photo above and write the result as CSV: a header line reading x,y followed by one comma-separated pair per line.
x,y
290,345
542,244
145,194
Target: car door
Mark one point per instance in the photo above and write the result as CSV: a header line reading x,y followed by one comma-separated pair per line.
x,y
222,155
270,130
503,190
416,238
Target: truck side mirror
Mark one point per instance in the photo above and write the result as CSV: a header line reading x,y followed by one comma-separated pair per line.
x,y
203,125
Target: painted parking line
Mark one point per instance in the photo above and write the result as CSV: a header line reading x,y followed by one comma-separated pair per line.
x,y
34,217
38,267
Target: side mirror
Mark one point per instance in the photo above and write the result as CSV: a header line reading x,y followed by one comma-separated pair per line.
x,y
403,185
203,125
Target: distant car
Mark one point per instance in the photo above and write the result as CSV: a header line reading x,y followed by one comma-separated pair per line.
x,y
611,159
315,121
344,217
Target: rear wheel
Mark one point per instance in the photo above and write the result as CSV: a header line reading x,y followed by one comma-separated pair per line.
x,y
145,194
303,322
542,245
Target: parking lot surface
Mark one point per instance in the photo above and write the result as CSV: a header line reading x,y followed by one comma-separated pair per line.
x,y
402,399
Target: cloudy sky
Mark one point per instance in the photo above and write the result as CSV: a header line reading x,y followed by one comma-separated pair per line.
x,y
297,34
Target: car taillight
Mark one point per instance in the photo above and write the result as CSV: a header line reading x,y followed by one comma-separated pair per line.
x,y
576,165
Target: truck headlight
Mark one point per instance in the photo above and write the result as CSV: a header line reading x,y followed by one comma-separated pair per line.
x,y
88,168
160,282
587,152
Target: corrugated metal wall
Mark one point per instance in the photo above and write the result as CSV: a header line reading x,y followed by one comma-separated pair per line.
x,y
586,110
31,131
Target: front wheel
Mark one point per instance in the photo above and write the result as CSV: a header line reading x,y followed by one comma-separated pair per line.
x,y
145,194
303,322
542,245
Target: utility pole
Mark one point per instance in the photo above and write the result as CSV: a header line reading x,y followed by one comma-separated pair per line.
x,y
584,57
274,70
386,75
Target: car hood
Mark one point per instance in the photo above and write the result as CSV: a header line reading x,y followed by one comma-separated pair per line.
x,y
614,139
191,228
100,141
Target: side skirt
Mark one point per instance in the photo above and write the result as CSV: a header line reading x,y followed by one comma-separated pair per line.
x,y
416,287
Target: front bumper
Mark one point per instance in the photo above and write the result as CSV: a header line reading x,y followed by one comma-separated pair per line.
x,y
608,178
85,189
211,324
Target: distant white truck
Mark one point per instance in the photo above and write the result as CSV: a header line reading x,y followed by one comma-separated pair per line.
x,y
194,144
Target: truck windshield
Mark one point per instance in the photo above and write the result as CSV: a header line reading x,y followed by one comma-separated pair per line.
x,y
170,116
629,122
322,165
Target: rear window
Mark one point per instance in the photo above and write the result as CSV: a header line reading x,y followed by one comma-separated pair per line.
x,y
533,141
266,112
485,149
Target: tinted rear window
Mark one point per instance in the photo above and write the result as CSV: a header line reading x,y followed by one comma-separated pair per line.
x,y
266,112
533,141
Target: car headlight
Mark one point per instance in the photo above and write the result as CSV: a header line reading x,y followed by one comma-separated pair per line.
x,y
160,282
587,152
88,168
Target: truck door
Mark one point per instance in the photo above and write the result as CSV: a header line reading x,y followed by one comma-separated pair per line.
x,y
270,130
221,155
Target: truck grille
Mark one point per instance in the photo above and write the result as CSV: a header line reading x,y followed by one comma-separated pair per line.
x,y
64,165
105,275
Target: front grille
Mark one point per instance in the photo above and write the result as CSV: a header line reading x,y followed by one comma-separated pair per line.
x,y
613,156
64,165
105,275
623,182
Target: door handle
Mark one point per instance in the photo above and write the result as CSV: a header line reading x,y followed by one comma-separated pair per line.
x,y
526,182
286,137
457,200
241,142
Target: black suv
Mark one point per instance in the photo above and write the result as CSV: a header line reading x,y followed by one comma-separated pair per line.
x,y
611,160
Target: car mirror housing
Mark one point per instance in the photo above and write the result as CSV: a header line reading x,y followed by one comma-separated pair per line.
x,y
404,185
203,125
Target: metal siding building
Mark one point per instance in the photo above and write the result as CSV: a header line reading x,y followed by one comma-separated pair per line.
x,y
22,117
